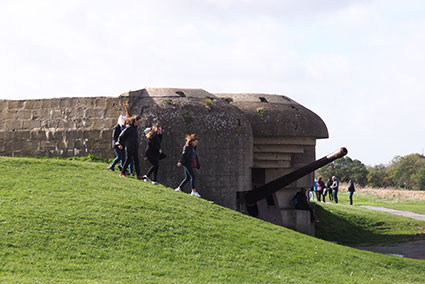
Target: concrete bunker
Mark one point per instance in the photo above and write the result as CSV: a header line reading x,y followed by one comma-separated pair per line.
x,y
247,140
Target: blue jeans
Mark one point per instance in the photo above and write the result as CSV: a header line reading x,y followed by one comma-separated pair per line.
x,y
351,197
188,174
119,157
335,195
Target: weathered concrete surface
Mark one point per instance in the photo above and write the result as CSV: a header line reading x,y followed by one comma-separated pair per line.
x,y
285,136
225,146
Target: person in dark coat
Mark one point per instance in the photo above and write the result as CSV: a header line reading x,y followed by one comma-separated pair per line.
x,y
351,190
153,152
189,161
300,202
119,153
334,187
128,140
329,189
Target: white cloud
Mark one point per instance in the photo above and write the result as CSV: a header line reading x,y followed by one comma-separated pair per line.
x,y
358,64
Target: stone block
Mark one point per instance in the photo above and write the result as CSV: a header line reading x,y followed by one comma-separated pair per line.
x,y
55,114
50,104
15,104
65,103
33,104
31,124
3,105
24,114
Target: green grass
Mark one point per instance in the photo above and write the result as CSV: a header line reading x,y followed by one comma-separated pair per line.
x,y
65,221
368,199
352,225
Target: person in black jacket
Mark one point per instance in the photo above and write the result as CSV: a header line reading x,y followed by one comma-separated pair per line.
x,y
189,161
351,189
128,139
153,152
329,189
119,153
300,203
334,187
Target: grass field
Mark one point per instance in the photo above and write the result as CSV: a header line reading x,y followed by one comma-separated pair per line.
x,y
406,200
75,222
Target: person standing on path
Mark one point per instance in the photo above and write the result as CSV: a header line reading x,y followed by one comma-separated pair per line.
x,y
351,190
334,187
153,152
189,161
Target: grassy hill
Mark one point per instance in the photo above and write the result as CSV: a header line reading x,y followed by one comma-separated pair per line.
x,y
355,226
67,221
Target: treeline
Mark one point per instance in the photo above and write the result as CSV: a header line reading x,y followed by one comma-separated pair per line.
x,y
407,172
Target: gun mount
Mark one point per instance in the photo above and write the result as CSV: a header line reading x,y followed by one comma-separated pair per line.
x,y
252,202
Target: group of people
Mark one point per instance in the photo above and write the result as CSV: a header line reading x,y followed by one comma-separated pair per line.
x,y
125,144
321,189
331,187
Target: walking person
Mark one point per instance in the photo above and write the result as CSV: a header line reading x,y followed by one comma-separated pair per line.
x,y
334,187
128,140
189,161
320,187
351,190
119,153
153,152
328,186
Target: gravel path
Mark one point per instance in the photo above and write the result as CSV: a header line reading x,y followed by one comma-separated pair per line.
x,y
416,216
411,249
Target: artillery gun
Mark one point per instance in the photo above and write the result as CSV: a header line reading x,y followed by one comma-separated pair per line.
x,y
262,202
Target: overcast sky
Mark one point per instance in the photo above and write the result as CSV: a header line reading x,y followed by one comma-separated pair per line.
x,y
360,65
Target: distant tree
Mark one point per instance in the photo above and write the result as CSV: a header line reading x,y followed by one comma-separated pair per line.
x,y
344,168
378,176
408,171
420,177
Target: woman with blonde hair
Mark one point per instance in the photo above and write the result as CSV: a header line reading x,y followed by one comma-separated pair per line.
x,y
153,151
189,161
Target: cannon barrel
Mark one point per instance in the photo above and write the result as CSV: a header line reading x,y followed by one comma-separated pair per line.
x,y
250,197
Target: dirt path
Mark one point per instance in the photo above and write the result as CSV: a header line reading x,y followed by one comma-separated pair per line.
x,y
411,249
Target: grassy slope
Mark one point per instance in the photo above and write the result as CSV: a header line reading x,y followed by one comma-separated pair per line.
x,y
352,225
74,222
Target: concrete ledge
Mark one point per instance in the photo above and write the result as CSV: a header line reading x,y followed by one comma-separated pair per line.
x,y
298,220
